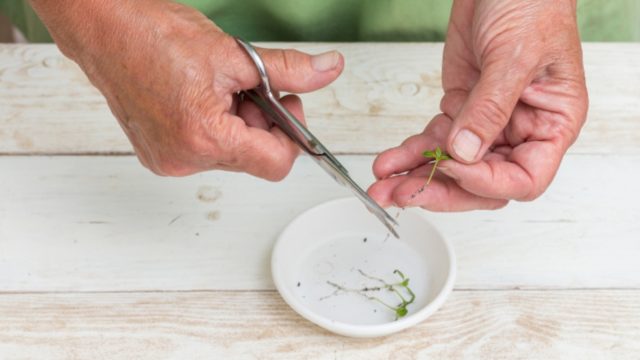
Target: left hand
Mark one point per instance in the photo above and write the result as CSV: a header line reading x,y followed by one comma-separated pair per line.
x,y
515,100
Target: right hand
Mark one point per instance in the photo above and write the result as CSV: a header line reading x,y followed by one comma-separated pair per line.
x,y
515,100
171,76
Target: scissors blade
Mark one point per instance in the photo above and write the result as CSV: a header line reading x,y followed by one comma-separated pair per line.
x,y
319,153
346,181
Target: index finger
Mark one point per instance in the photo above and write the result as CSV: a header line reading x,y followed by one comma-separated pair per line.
x,y
265,153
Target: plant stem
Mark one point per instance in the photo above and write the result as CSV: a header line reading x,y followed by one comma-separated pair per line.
x,y
433,171
400,310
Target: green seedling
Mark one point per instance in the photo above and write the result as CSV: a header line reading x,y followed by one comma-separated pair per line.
x,y
437,155
401,289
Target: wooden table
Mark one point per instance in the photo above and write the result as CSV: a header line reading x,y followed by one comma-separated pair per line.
x,y
101,259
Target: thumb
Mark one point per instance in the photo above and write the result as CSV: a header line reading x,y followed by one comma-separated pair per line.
x,y
487,110
289,70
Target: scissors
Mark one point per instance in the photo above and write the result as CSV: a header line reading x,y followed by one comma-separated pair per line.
x,y
264,97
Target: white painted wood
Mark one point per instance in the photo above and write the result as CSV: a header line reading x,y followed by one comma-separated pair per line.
x,y
251,325
70,224
387,92
105,223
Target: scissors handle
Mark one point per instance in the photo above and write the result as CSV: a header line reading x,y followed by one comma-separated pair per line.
x,y
264,97
291,126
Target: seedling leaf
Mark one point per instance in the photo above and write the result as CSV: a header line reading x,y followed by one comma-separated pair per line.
x,y
401,311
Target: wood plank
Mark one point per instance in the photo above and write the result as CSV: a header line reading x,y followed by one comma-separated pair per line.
x,y
387,92
105,223
595,324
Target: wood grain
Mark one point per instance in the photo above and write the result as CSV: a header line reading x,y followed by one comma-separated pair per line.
x,y
387,92
105,223
259,325
101,259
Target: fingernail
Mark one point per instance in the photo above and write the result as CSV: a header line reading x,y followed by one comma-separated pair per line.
x,y
325,61
466,145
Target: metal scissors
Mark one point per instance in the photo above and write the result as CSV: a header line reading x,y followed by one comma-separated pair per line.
x,y
268,102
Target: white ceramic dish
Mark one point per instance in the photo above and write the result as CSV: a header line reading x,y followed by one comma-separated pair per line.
x,y
333,241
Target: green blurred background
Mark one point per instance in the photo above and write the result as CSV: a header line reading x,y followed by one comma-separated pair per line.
x,y
356,20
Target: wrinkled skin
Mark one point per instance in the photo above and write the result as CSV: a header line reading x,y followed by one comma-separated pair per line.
x,y
515,96
170,76
513,76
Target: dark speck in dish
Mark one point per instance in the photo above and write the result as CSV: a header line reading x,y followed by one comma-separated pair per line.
x,y
364,240
298,283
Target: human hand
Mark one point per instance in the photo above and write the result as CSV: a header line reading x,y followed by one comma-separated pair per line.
x,y
515,100
171,77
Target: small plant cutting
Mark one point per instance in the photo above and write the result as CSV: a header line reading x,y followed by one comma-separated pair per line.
x,y
400,289
437,155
